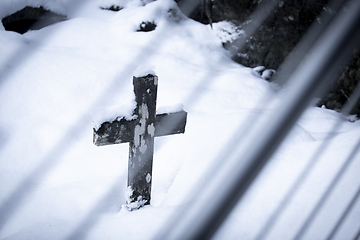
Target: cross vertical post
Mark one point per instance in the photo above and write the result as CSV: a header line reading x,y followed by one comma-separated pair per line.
x,y
141,149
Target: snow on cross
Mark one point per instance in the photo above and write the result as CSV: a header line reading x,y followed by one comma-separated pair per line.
x,y
140,133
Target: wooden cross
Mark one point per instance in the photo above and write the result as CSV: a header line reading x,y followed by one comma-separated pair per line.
x,y
140,133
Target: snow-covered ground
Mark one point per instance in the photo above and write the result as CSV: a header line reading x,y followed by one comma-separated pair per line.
x,y
57,83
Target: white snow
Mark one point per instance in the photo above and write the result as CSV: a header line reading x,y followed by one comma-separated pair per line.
x,y
227,31
257,70
132,205
267,74
170,109
60,81
144,70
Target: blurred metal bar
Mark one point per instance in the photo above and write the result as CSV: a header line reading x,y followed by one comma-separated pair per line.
x,y
348,107
188,6
50,160
357,237
351,103
92,218
322,63
306,42
257,18
344,215
309,220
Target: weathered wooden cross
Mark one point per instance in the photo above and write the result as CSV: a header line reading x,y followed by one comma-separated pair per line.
x,y
140,133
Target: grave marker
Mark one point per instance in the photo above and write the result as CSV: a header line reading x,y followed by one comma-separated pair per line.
x,y
140,133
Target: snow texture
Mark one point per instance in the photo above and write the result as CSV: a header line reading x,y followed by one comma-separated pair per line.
x,y
58,82
144,70
170,109
130,204
227,31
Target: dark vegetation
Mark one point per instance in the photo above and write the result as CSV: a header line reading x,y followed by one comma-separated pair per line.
x,y
344,86
277,37
269,47
28,19
113,8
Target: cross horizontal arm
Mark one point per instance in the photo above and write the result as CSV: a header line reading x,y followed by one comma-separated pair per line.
x,y
170,123
122,131
118,131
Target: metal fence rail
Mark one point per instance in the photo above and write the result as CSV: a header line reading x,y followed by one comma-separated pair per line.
x,y
307,78
330,51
